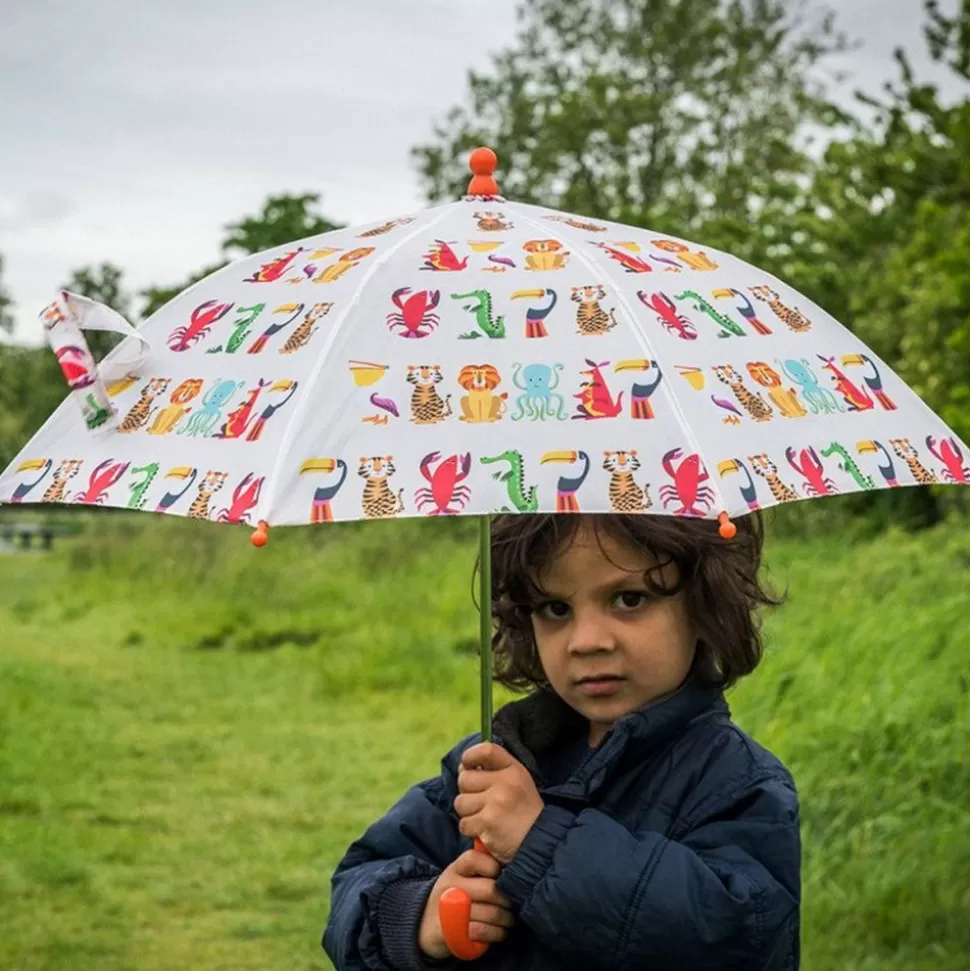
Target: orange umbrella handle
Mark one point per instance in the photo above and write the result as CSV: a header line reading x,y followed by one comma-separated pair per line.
x,y
454,915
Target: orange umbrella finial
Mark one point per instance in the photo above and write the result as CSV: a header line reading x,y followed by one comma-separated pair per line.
x,y
726,529
261,534
483,162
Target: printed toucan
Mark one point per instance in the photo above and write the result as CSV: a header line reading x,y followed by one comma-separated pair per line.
x,y
748,490
320,511
535,316
568,486
170,498
31,465
887,469
640,394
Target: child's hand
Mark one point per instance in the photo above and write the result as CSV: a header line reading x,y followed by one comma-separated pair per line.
x,y
499,801
491,915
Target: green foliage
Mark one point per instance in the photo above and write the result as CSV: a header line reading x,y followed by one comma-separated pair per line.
x,y
193,731
31,387
689,116
6,318
157,296
104,283
882,240
283,219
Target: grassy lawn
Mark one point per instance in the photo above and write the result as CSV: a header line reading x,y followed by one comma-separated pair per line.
x,y
192,731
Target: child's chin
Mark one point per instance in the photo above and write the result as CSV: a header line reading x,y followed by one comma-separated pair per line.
x,y
608,708
611,708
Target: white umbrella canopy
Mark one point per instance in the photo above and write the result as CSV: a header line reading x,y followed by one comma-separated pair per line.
x,y
469,358
473,357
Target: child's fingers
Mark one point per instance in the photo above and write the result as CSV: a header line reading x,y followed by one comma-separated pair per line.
x,y
481,890
469,803
491,914
474,864
475,780
486,755
486,933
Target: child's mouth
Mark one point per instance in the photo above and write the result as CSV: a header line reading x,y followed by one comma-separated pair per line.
x,y
597,687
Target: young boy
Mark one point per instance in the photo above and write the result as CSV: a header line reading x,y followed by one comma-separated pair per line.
x,y
629,822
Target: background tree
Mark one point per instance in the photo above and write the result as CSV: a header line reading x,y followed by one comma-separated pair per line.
x,y
284,218
30,382
6,304
690,116
31,387
883,239
104,283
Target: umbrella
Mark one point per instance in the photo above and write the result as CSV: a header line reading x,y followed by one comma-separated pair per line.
x,y
469,358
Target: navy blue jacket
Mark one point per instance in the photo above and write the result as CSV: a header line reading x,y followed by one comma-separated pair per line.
x,y
673,846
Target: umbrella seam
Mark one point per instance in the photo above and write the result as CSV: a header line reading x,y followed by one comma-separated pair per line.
x,y
289,435
645,347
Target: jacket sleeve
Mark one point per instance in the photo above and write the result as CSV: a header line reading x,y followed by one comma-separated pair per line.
x,y
380,887
725,895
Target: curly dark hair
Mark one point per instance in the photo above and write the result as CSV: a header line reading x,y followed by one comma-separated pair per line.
x,y
718,577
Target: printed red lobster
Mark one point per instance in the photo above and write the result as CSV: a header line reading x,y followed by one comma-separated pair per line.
x,y
200,323
107,474
688,489
414,315
444,484
810,467
948,452
244,498
667,315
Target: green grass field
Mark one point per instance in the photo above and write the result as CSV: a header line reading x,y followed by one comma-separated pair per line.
x,y
192,731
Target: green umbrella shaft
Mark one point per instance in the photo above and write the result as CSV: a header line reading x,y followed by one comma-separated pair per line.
x,y
485,619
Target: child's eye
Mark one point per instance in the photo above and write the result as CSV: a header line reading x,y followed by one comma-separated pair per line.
x,y
553,610
630,599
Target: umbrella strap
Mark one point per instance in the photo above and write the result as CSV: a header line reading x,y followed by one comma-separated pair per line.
x,y
93,385
485,618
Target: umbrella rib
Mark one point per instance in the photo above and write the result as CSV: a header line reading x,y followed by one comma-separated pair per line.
x,y
641,337
301,406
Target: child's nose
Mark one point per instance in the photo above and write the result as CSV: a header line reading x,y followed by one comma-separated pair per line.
x,y
591,635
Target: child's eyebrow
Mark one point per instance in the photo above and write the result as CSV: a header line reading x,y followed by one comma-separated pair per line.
x,y
614,582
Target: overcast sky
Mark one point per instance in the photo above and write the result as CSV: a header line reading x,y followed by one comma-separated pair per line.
x,y
132,132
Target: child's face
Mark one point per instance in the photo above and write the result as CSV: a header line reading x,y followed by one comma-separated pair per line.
x,y
607,644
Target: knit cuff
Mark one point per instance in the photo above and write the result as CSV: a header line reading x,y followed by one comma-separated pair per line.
x,y
399,912
530,864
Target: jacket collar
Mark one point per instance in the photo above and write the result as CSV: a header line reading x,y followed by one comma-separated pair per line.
x,y
542,722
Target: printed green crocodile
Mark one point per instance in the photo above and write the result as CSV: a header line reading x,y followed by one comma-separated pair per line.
x,y
139,487
514,479
241,329
481,307
847,464
94,415
730,326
